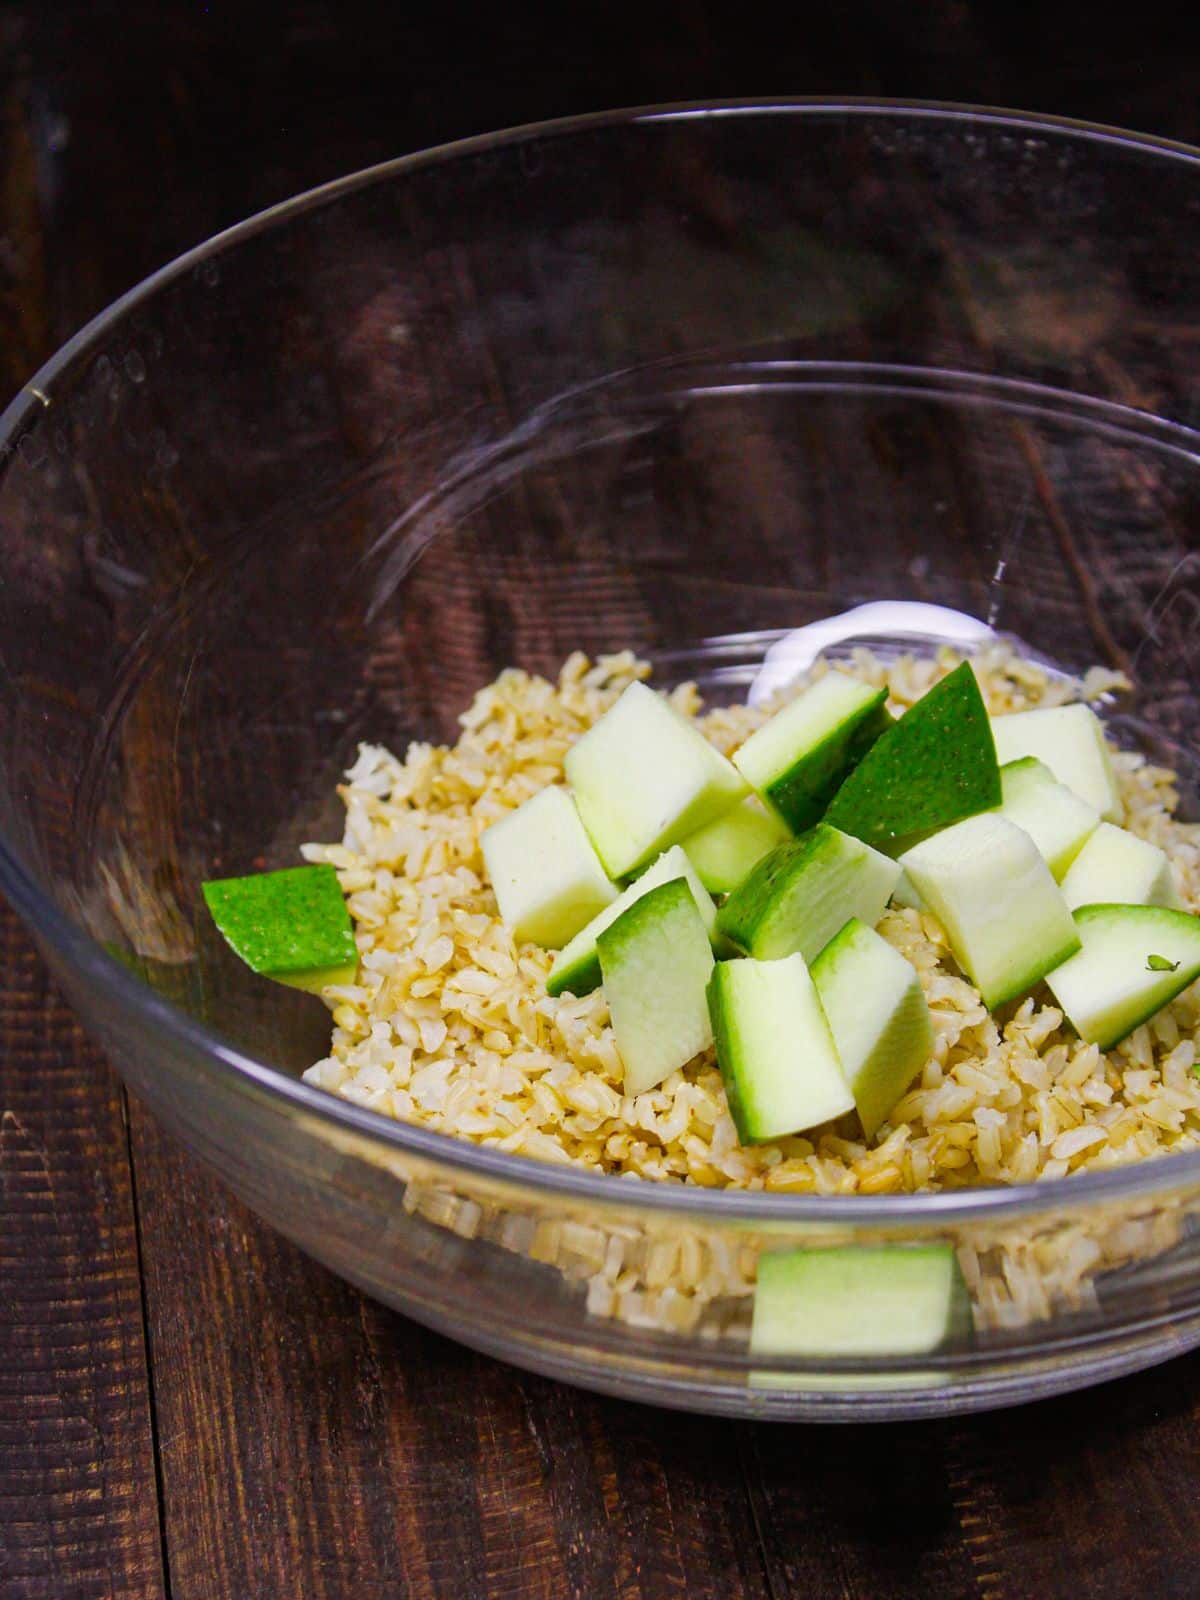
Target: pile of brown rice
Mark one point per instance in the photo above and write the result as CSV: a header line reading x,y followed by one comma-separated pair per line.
x,y
450,1025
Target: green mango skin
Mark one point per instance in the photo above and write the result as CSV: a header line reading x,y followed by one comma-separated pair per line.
x,y
802,892
292,925
804,792
656,961
934,767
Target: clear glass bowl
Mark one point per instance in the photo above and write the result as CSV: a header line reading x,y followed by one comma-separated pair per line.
x,y
679,380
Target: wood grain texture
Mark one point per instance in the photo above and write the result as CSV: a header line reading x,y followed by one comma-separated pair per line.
x,y
78,1504
310,1443
304,1430
78,1494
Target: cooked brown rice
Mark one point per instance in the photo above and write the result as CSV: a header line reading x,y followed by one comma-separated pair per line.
x,y
450,1025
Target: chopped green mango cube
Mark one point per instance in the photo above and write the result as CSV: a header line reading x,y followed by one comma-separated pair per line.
x,y
879,1016
933,767
857,1301
799,895
1070,740
1053,816
656,961
644,778
1003,913
577,965
1118,868
774,1048
547,878
724,851
291,925
904,894
799,758
1133,961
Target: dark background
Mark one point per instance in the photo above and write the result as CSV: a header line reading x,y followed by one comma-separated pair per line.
x,y
150,126
187,1406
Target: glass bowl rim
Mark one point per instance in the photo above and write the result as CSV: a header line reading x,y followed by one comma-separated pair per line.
x,y
86,961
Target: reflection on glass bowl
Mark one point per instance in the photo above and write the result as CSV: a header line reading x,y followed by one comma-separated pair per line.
x,y
687,383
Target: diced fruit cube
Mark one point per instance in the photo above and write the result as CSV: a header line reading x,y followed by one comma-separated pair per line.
x,y
645,778
1003,913
934,766
775,1049
1070,740
546,876
724,851
291,925
880,1020
577,966
1133,961
858,1300
1118,868
656,961
1053,816
799,895
799,758
904,894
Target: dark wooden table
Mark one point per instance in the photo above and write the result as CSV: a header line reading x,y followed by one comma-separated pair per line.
x,y
187,1406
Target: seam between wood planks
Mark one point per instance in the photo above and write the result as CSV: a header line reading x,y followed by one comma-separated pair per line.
x,y
148,1343
742,1432
975,1519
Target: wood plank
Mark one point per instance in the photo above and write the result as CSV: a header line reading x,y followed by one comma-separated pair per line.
x,y
315,1444
306,1431
78,1502
858,1511
1089,1495
78,1494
